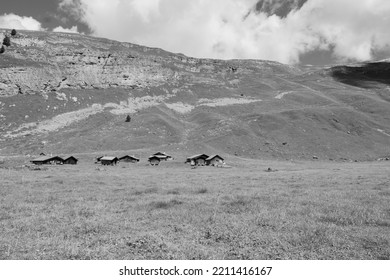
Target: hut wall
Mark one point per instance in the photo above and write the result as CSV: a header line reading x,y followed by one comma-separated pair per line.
x,y
70,161
215,161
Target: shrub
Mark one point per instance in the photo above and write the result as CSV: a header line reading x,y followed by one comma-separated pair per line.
x,y
128,118
13,32
7,41
2,49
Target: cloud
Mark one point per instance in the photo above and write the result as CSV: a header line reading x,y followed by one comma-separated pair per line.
x,y
352,30
12,21
73,29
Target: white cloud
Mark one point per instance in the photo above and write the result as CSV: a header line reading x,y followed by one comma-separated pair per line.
x,y
224,28
73,29
12,21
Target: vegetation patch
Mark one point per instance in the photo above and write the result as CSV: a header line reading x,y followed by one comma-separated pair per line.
x,y
165,204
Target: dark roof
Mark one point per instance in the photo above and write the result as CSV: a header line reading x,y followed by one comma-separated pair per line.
x,y
47,158
213,156
70,158
127,156
198,156
160,154
109,158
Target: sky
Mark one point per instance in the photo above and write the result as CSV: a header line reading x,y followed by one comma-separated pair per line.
x,y
318,32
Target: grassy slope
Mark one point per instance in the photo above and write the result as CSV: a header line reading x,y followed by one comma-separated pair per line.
x,y
332,114
133,211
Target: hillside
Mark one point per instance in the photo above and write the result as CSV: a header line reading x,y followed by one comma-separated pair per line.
x,y
67,93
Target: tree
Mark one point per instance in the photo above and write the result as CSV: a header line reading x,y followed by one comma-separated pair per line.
x,y
2,49
13,32
128,118
7,41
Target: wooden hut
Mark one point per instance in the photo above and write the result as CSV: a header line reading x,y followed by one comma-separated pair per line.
x,y
197,159
163,156
47,160
154,160
214,160
128,158
109,160
70,160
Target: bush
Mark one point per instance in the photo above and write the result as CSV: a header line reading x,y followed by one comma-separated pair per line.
x,y
128,118
7,41
2,49
13,32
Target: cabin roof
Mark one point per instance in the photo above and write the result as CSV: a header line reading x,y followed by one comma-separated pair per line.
x,y
127,156
46,158
198,156
156,157
214,156
69,157
161,156
108,158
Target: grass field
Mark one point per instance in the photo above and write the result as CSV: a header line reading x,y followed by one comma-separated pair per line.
x,y
303,210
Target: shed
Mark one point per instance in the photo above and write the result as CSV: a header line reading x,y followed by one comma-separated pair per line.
x,y
154,160
197,159
47,160
70,160
128,158
163,156
214,160
108,160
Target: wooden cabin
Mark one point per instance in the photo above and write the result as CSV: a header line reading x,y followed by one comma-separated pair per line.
x,y
197,159
70,160
128,158
154,160
109,160
214,160
163,156
48,160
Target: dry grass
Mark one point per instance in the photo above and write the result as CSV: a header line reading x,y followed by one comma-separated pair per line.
x,y
302,211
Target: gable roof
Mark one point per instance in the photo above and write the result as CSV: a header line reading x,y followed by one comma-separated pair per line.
x,y
109,158
214,156
160,154
47,158
69,157
127,156
198,156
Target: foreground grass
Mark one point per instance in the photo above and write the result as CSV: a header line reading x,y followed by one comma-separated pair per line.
x,y
133,211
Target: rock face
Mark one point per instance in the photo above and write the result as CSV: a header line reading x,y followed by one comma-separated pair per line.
x,y
46,62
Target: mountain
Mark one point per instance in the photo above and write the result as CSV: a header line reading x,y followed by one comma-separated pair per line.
x,y
70,93
280,8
